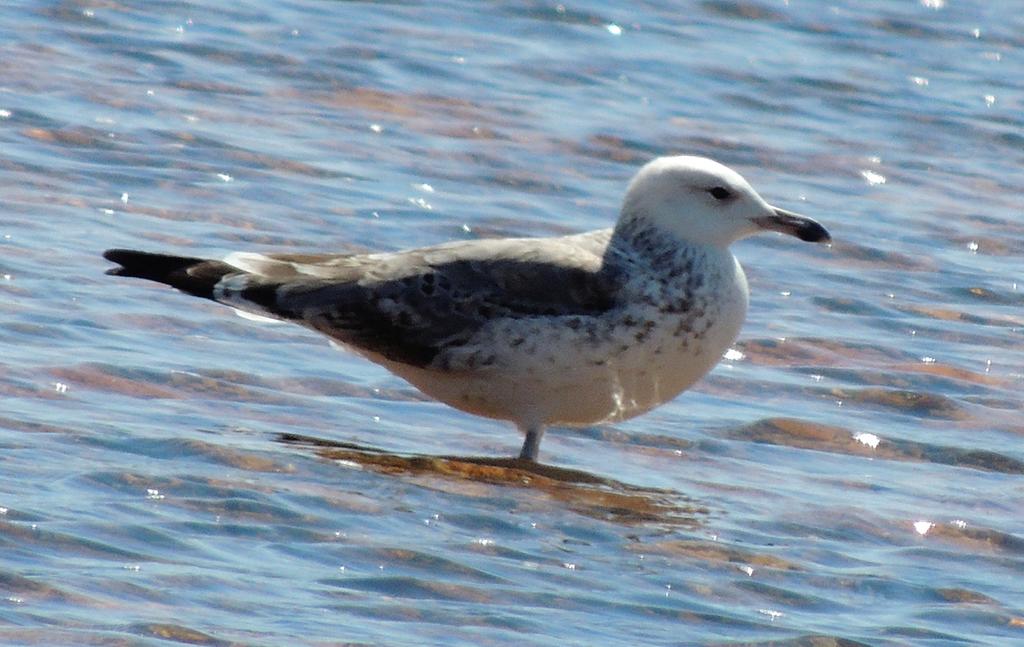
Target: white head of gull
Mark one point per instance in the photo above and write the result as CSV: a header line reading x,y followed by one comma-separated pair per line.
x,y
707,203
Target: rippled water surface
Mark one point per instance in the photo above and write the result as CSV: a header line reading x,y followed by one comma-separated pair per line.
x,y
852,473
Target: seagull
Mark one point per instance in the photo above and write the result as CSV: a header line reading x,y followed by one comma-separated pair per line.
x,y
572,330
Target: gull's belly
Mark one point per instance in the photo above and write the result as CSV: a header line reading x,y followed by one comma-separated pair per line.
x,y
570,386
572,373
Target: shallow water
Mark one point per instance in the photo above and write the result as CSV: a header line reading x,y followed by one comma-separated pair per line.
x,y
172,473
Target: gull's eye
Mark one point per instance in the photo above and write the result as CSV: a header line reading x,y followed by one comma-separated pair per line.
x,y
720,193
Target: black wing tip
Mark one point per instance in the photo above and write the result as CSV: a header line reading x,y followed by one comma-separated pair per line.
x,y
167,269
147,264
121,257
116,253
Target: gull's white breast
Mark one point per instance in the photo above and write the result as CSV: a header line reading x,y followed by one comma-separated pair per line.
x,y
573,370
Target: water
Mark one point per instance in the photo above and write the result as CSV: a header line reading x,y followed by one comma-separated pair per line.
x,y
172,473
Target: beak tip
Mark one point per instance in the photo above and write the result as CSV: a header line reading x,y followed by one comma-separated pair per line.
x,y
793,224
814,233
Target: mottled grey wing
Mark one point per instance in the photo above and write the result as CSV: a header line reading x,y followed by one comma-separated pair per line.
x,y
411,316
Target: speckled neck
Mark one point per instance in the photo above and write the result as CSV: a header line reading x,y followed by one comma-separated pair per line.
x,y
637,246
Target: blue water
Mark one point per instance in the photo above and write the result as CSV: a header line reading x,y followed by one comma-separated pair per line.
x,y
172,473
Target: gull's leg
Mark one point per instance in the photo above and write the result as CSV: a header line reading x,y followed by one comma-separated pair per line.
x,y
531,445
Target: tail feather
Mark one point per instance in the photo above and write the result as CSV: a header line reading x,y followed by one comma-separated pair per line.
x,y
196,276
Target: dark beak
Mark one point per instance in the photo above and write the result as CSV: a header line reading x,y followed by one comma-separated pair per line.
x,y
794,224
